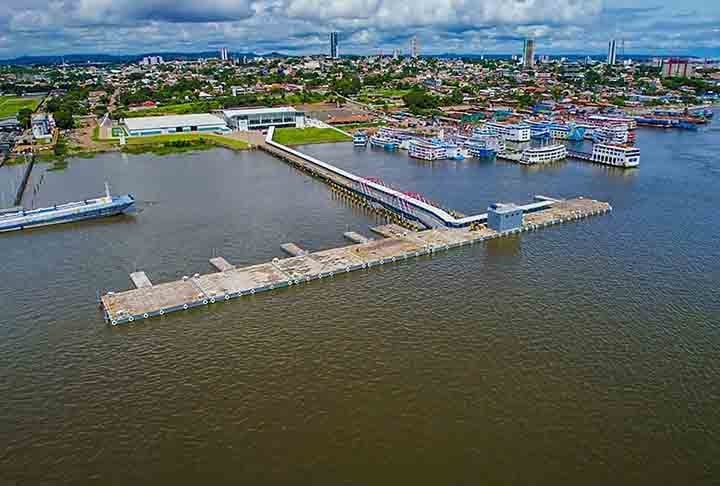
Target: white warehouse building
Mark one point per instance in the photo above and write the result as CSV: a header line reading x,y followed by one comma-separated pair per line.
x,y
163,125
260,118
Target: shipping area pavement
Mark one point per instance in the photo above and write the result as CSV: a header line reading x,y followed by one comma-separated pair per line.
x,y
395,245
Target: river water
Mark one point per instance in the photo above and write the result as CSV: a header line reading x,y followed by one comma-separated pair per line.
x,y
580,354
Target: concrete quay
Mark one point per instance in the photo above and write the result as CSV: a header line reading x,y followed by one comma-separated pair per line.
x,y
398,244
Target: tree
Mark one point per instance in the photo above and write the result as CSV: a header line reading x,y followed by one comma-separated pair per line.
x,y
419,99
618,100
455,98
23,117
60,148
100,110
592,78
524,100
118,115
347,85
64,119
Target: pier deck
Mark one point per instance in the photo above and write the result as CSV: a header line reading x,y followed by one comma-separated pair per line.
x,y
399,244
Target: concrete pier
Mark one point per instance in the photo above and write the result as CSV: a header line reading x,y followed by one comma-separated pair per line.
x,y
400,244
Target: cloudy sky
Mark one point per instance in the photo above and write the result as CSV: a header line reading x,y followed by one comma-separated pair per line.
x,y
42,27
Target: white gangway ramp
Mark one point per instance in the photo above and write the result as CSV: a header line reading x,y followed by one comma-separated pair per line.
x,y
140,280
293,249
356,237
221,264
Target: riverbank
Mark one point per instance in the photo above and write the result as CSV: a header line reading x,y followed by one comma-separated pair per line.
x,y
158,144
182,142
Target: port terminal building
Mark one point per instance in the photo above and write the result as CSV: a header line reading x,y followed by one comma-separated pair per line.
x,y
244,119
165,125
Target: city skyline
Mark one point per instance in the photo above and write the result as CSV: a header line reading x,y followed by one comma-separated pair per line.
x,y
40,27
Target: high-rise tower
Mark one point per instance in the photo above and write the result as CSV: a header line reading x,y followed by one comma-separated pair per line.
x,y
334,45
528,59
612,52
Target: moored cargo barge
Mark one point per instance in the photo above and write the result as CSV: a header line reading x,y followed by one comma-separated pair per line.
x,y
101,207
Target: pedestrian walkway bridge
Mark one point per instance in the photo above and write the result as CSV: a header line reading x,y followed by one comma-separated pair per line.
x,y
405,205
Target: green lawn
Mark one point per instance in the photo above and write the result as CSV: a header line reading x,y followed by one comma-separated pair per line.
x,y
300,136
208,138
10,105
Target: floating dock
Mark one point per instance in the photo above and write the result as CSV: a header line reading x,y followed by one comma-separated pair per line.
x,y
399,244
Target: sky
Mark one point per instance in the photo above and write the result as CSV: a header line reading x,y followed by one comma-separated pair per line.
x,y
57,27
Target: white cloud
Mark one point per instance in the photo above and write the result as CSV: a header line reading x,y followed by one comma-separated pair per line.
x,y
386,13
62,26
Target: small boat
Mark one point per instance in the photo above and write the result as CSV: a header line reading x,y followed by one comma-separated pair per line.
x,y
66,213
360,139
